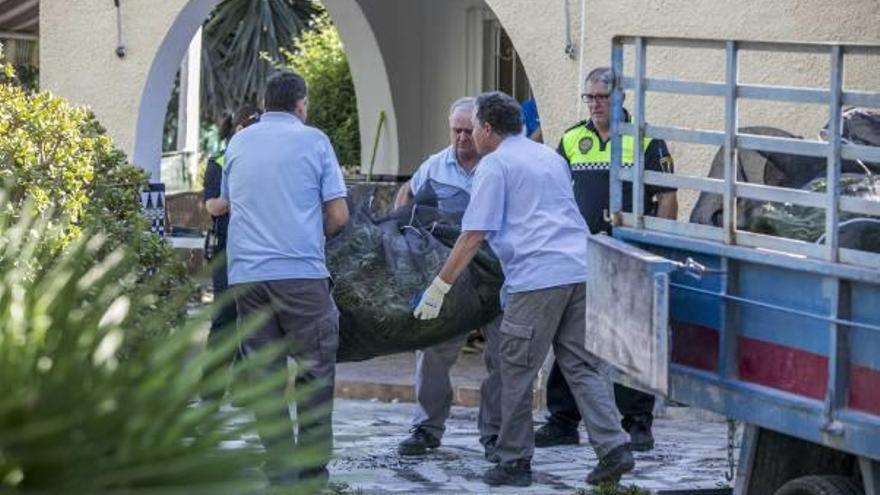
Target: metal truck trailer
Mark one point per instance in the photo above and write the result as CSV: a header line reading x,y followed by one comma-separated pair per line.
x,y
779,334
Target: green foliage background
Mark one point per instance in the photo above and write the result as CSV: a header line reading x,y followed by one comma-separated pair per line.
x,y
58,157
92,402
318,56
77,415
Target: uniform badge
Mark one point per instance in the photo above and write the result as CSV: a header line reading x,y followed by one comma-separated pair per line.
x,y
666,164
585,144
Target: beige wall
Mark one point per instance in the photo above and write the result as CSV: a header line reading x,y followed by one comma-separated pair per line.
x,y
555,78
78,60
424,54
537,29
407,58
372,85
424,48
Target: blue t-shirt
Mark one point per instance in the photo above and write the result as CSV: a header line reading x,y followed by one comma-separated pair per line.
x,y
522,198
531,119
278,174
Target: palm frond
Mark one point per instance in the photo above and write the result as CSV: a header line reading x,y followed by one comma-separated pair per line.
x,y
76,416
235,36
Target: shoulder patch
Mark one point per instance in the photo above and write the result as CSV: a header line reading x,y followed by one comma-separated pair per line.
x,y
585,144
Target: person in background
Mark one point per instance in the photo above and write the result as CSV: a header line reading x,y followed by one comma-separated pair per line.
x,y
449,171
532,120
225,315
586,148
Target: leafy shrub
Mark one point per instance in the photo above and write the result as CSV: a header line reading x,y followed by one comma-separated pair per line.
x,y
24,74
58,156
75,418
319,57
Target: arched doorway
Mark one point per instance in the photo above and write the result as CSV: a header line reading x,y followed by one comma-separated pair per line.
x,y
409,59
365,59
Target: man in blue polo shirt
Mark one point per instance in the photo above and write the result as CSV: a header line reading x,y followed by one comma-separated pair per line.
x,y
522,203
286,193
451,170
449,174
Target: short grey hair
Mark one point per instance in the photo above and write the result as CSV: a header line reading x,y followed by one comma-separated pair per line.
x,y
467,102
602,75
500,111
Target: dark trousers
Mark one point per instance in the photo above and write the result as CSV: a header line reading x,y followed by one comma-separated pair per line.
x,y
225,316
635,405
304,319
223,320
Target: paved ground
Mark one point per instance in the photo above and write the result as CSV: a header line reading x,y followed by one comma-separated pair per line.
x,y
690,453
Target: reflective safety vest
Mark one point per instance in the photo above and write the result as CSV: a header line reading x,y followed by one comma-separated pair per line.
x,y
220,160
582,147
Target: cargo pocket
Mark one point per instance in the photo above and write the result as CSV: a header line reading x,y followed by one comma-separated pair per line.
x,y
516,343
327,333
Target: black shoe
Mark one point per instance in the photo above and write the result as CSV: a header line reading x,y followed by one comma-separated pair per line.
x,y
516,473
640,437
489,447
611,467
418,443
553,434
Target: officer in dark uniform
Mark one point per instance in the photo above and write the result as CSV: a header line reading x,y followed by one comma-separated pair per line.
x,y
215,244
587,149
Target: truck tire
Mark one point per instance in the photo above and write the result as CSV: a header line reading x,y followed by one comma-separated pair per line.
x,y
821,485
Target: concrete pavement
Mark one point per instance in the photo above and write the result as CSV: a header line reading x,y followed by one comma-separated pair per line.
x,y
691,453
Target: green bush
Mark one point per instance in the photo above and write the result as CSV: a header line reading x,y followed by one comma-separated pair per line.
x,y
319,57
76,418
58,156
24,75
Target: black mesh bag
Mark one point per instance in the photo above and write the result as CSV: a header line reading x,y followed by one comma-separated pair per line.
x,y
381,266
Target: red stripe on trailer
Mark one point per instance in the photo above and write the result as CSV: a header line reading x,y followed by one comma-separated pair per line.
x,y
864,389
773,365
695,346
783,368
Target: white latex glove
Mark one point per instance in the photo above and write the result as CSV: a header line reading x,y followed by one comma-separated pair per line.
x,y
432,300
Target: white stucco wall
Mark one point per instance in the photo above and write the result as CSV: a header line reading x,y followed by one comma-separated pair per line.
x,y
78,60
424,55
537,28
372,86
424,46
407,59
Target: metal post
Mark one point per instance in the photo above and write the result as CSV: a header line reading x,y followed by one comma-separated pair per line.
x,y
834,137
570,48
728,357
870,475
188,107
120,33
616,118
747,455
840,294
638,186
730,155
